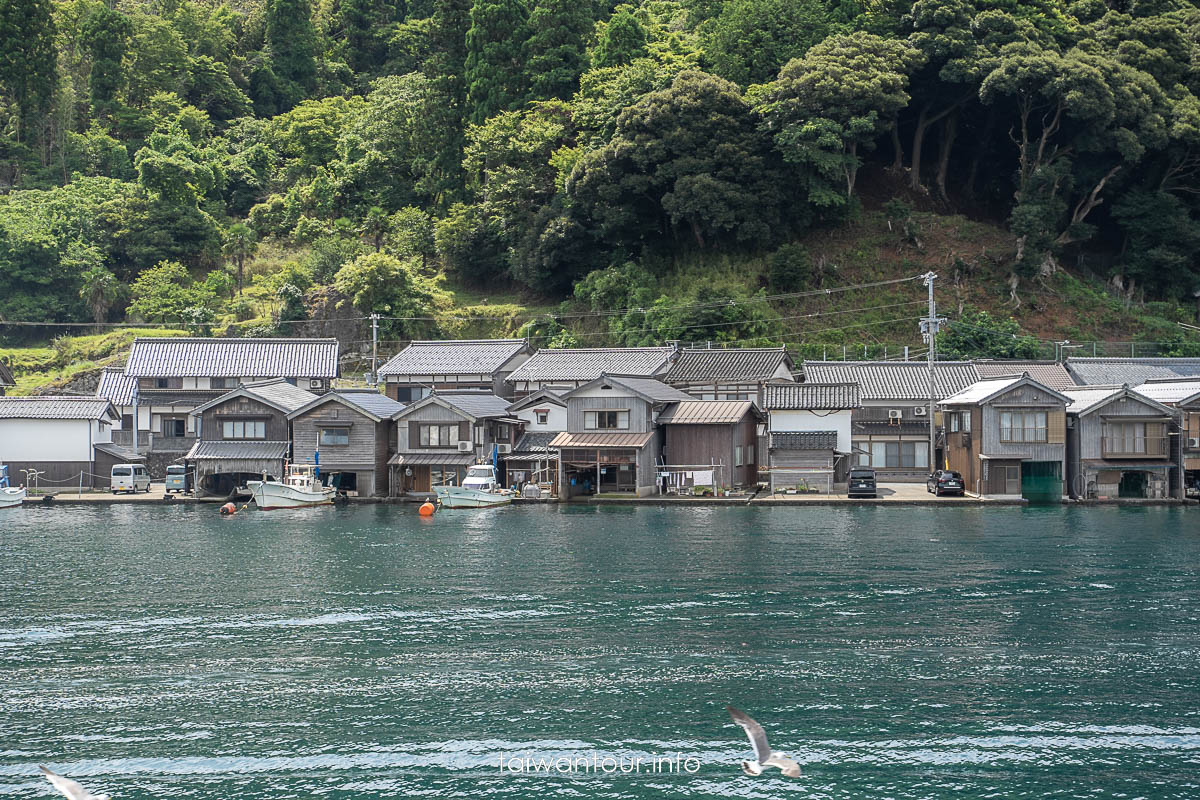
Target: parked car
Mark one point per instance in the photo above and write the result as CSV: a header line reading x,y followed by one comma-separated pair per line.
x,y
130,478
861,482
945,481
178,479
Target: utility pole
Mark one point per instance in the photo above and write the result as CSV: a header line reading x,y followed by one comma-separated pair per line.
x,y
374,349
929,331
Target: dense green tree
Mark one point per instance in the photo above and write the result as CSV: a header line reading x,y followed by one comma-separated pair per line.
x,y
375,226
167,293
411,235
211,89
750,40
977,334
378,283
105,33
622,40
240,245
360,28
158,60
28,61
292,44
555,54
470,245
98,288
495,73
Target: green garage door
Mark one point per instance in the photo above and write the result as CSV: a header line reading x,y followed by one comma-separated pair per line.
x,y
1041,481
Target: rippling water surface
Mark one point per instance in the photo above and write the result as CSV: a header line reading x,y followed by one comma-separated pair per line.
x,y
364,652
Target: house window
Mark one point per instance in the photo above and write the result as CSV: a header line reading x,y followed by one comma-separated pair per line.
x,y
162,383
954,422
1022,426
243,429
503,432
966,422
221,383
174,428
750,455
334,436
443,476
1134,438
543,417
606,420
439,436
737,456
896,455
862,453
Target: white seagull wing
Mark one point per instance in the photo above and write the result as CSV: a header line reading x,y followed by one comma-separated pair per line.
x,y
786,765
69,788
758,737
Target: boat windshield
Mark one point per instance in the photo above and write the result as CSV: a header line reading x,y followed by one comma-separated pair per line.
x,y
479,472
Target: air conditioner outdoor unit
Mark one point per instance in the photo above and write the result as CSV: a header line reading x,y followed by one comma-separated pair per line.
x,y
315,383
504,448
895,413
1194,442
920,411
465,447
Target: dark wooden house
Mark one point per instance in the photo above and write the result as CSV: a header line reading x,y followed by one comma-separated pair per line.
x,y
348,434
243,435
710,436
465,364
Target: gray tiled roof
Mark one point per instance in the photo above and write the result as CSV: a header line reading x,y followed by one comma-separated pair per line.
x,y
122,455
56,407
1170,392
534,443
1047,373
587,364
1105,371
6,376
116,387
277,393
804,440
369,400
810,396
473,356
233,358
540,397
656,391
739,366
707,412
251,451
480,405
894,380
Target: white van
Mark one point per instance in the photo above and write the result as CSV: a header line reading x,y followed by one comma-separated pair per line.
x,y
130,478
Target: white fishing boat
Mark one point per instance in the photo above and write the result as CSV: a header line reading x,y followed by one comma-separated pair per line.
x,y
299,489
479,490
10,496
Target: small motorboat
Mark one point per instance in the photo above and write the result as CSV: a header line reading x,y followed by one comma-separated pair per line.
x,y
479,490
10,496
299,489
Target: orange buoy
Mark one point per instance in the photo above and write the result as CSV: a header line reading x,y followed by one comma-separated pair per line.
x,y
229,508
427,509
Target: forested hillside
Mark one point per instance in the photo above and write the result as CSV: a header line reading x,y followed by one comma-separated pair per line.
x,y
463,167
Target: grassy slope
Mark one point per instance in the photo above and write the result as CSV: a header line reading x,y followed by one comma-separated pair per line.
x,y
972,260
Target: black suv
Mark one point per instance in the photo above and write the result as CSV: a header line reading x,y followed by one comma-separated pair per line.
x,y
945,481
861,482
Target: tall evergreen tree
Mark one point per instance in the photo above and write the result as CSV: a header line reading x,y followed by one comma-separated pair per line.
x,y
106,33
494,72
27,56
292,42
554,54
623,40
361,27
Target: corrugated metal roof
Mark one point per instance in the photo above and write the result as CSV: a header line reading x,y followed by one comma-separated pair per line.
x,y
6,376
233,358
743,365
540,397
597,439
277,393
1047,373
1086,399
894,380
535,443
589,363
981,390
232,450
472,356
479,405
706,412
433,459
810,396
803,440
1170,392
116,387
56,407
1108,371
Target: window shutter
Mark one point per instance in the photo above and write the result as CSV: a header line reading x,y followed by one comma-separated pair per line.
x,y
464,431
414,435
1056,427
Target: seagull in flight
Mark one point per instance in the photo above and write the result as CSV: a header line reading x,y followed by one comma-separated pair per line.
x,y
764,756
69,788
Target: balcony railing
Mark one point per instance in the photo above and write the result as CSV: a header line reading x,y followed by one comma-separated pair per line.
x,y
125,438
1135,447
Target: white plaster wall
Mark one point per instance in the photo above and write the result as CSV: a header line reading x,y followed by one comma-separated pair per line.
x,y
795,421
46,439
556,420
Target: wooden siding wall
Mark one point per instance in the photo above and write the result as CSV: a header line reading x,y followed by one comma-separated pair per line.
x,y
427,414
962,448
701,444
1089,428
1022,398
242,407
639,411
360,452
